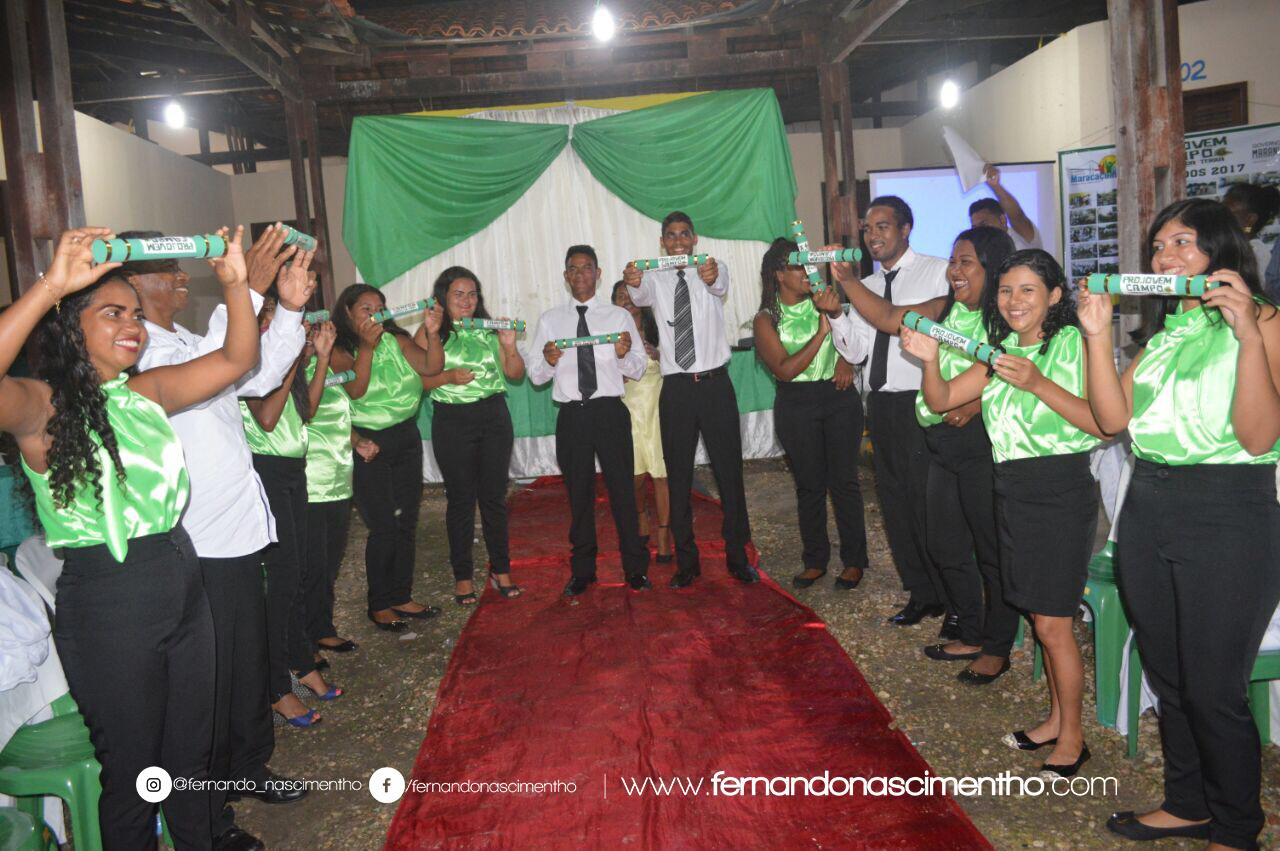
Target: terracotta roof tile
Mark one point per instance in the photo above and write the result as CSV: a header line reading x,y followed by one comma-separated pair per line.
x,y
521,18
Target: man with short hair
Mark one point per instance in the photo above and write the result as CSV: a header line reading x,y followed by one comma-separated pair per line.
x,y
891,380
1004,212
697,395
592,422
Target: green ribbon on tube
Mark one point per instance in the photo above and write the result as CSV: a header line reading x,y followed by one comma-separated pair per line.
x,y
470,323
315,317
340,378
816,284
404,310
840,255
594,340
1146,284
157,248
672,262
978,351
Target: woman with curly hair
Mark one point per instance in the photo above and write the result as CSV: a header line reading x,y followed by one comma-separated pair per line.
x,y
1041,430
385,394
133,627
1198,558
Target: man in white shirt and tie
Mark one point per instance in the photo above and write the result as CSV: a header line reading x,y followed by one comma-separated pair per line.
x,y
891,380
697,395
592,422
1004,212
228,516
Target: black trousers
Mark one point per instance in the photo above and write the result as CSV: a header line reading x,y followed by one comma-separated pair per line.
x,y
242,735
327,527
1198,563
820,429
687,408
137,646
901,462
473,448
388,493
599,428
288,648
961,522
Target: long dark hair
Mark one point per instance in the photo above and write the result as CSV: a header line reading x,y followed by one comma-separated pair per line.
x,y
648,324
1042,264
347,339
1262,201
775,260
993,246
1218,235
441,292
79,403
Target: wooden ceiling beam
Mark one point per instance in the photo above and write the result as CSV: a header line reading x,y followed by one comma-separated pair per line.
x,y
148,88
279,71
843,36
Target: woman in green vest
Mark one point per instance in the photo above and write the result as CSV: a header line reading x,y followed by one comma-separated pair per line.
x,y
1198,552
110,484
799,337
960,496
389,366
276,432
471,431
330,462
1041,431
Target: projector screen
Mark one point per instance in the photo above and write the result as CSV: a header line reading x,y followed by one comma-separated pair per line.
x,y
941,206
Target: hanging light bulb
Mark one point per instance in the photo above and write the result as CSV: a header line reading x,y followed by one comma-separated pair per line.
x,y
949,94
602,24
174,115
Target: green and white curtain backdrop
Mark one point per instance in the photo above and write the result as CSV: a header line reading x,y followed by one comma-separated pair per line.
x,y
504,193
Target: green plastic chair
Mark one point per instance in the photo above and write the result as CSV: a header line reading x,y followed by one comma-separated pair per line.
x,y
21,832
55,757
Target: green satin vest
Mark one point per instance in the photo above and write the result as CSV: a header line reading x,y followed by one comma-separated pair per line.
x,y
796,327
287,440
154,493
952,362
330,459
1183,388
477,351
1022,426
395,389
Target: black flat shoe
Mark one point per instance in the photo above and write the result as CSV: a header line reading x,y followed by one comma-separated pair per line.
x,y
389,626
1126,824
950,628
745,573
684,578
1067,770
322,664
1020,741
843,584
939,653
426,614
639,582
972,678
802,581
237,839
278,790
577,586
912,613
345,647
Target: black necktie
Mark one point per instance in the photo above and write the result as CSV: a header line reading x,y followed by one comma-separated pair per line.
x,y
880,352
586,358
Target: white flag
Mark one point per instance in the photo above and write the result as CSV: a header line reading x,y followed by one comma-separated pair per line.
x,y
969,165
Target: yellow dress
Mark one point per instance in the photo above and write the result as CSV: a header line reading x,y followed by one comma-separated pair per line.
x,y
641,399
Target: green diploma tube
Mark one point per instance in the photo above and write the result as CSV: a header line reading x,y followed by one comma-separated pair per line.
x,y
978,351
304,241
315,317
595,340
157,248
1163,285
842,255
473,324
816,284
340,378
672,262
404,310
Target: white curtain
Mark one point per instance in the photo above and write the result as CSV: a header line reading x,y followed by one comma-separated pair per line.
x,y
519,259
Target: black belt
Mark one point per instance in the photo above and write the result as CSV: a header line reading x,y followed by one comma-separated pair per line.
x,y
699,376
582,403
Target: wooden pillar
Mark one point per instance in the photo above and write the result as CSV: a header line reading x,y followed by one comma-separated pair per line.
x,y
844,111
837,136
1151,166
323,262
44,195
830,167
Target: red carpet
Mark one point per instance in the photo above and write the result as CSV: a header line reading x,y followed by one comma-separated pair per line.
x,y
664,684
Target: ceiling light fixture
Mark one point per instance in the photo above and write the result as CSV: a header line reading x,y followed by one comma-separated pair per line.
x,y
602,23
949,94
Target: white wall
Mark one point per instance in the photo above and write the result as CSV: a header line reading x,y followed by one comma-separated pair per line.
x,y
873,149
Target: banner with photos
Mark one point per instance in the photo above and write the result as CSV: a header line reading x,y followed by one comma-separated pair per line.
x,y
1215,160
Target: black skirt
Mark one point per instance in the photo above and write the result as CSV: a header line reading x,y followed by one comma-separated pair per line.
x,y
1046,517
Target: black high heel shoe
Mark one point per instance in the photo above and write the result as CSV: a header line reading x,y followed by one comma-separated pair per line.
x,y
390,626
669,557
507,591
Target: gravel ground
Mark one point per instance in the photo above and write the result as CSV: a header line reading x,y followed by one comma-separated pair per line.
x,y
392,681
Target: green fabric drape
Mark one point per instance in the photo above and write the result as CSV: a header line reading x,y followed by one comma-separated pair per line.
x,y
417,185
721,157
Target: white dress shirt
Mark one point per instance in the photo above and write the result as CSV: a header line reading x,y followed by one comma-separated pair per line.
x,y
846,335
658,290
228,514
920,278
602,318
1020,244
